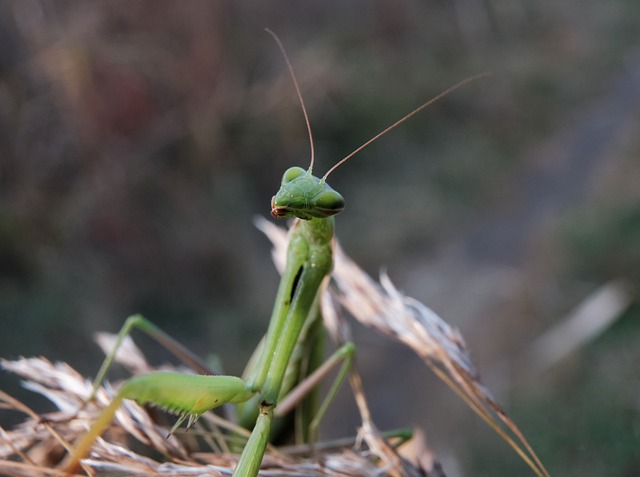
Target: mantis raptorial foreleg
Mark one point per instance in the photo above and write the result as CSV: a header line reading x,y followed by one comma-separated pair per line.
x,y
313,203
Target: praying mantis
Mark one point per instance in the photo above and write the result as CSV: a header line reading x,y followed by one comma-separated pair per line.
x,y
277,365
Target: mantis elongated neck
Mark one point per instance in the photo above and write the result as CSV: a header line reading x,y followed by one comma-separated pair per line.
x,y
318,232
309,261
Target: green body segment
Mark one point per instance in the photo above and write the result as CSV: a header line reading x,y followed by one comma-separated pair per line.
x,y
310,261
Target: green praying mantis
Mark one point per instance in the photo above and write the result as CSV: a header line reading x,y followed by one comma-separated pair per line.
x,y
290,350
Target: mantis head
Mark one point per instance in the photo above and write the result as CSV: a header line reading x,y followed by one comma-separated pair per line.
x,y
305,196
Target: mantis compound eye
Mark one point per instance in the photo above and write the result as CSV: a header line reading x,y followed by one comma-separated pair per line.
x,y
328,202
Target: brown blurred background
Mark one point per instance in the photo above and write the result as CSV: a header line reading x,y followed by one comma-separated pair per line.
x,y
138,139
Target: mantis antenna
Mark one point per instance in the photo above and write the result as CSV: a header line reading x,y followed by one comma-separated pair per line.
x,y
380,134
400,121
295,83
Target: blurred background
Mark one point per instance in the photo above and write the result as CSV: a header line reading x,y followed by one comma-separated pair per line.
x,y
138,140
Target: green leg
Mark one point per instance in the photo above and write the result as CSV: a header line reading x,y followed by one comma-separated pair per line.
x,y
140,323
150,388
343,356
249,462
